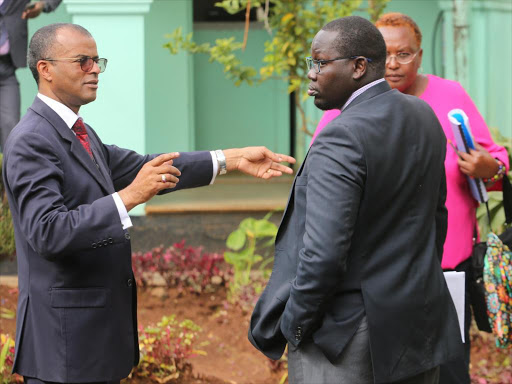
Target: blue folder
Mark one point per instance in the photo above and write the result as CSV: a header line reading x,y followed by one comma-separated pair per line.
x,y
464,141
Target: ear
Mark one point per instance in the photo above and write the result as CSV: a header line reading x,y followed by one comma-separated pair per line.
x,y
420,57
43,67
360,68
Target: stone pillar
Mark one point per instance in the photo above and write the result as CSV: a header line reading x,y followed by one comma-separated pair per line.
x,y
118,114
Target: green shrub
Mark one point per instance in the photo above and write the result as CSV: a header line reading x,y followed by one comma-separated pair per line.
x,y
495,198
6,360
7,246
250,245
165,349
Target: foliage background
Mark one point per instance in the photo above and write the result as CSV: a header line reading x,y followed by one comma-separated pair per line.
x,y
292,26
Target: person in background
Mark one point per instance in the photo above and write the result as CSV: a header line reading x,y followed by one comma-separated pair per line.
x,y
489,162
13,55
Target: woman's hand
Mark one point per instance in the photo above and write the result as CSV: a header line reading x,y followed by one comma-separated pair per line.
x,y
478,163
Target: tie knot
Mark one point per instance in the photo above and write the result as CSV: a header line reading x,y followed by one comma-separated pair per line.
x,y
79,127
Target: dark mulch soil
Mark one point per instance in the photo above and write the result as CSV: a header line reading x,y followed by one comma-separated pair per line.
x,y
230,358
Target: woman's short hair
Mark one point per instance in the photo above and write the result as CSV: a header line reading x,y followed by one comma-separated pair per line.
x,y
396,19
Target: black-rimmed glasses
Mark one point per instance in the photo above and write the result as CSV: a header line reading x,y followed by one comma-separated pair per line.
x,y
86,62
317,64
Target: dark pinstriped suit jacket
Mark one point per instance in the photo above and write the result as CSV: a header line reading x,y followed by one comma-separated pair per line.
x,y
363,233
76,319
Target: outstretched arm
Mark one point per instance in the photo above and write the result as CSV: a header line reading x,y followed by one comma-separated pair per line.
x,y
258,162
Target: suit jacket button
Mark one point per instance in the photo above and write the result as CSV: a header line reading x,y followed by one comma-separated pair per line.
x,y
129,282
105,242
127,236
110,240
94,245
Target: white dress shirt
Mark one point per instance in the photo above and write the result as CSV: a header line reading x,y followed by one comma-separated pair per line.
x,y
361,90
70,118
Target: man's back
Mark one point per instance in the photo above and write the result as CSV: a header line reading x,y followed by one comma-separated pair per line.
x,y
368,216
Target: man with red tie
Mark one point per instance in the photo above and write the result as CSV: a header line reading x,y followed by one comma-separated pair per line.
x,y
70,195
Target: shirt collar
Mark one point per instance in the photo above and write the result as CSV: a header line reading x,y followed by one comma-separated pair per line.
x,y
60,109
360,91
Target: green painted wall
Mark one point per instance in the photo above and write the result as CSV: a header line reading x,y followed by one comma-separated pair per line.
x,y
169,80
229,116
490,55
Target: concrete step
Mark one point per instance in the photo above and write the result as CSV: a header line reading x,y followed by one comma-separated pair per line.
x,y
230,193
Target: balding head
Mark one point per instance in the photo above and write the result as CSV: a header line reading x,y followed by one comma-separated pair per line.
x,y
43,41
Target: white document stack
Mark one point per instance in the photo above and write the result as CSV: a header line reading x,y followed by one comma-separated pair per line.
x,y
456,283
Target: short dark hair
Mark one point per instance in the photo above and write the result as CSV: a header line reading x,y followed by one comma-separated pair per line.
x,y
359,37
42,42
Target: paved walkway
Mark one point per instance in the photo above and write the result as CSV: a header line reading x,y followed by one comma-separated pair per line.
x,y
10,281
229,193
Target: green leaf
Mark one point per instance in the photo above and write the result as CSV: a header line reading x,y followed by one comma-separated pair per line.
x,y
3,354
6,313
236,240
248,224
265,228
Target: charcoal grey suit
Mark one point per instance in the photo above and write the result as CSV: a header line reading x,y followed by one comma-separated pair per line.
x,y
10,16
363,234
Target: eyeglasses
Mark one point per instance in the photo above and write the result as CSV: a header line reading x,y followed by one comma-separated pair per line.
x,y
86,62
317,64
402,57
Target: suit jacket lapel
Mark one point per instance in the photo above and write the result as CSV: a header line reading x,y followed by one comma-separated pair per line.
x,y
76,149
5,6
290,197
100,159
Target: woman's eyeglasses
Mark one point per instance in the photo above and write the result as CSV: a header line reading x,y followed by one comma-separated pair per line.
x,y
86,62
401,58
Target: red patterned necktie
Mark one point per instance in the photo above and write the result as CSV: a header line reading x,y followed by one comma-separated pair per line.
x,y
81,134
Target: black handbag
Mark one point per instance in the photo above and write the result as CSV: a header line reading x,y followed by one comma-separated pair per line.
x,y
476,280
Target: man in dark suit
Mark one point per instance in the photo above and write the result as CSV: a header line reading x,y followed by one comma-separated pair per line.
x,y
69,196
357,291
13,55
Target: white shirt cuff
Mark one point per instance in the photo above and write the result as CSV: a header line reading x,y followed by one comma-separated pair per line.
x,y
215,166
123,213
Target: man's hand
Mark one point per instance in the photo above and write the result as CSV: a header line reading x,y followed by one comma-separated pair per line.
x,y
257,161
32,10
477,163
150,180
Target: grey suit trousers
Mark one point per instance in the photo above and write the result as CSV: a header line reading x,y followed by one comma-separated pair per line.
x,y
9,98
308,365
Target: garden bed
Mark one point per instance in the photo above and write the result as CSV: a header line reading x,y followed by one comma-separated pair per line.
x,y
190,332
229,358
